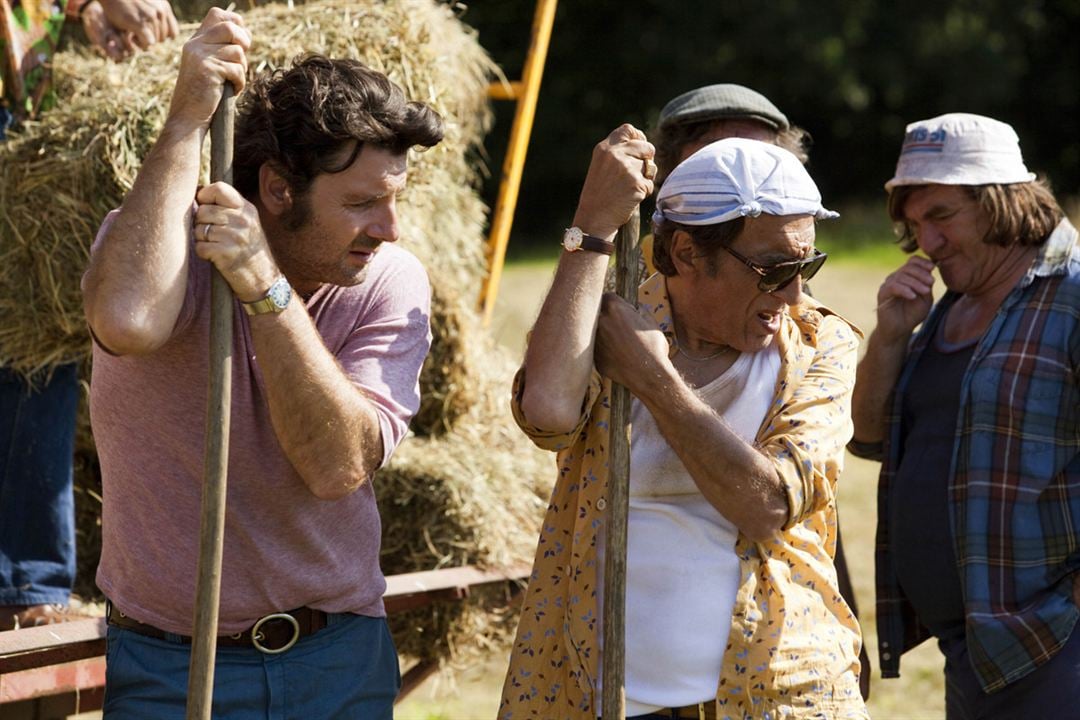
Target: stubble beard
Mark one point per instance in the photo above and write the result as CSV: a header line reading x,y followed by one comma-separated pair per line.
x,y
298,231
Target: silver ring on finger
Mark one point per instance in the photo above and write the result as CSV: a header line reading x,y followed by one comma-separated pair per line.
x,y
206,231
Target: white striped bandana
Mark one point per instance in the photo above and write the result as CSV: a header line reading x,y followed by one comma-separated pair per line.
x,y
737,177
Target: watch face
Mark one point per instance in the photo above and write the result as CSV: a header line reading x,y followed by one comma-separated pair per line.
x,y
280,293
572,239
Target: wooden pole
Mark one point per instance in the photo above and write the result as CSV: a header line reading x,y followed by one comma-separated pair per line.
x,y
219,398
618,497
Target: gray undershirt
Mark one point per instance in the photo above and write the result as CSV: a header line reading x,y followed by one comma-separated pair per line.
x,y
920,533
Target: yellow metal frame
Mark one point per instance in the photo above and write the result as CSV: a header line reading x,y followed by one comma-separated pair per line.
x,y
525,92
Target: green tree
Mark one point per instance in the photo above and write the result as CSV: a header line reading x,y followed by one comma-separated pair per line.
x,y
852,72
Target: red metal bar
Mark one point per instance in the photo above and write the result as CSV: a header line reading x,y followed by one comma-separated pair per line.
x,y
51,644
459,577
78,676
69,657
412,601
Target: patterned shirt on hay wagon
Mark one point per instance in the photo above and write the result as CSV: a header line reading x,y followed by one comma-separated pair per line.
x,y
794,644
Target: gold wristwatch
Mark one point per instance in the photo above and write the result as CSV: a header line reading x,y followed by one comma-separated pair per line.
x,y
276,299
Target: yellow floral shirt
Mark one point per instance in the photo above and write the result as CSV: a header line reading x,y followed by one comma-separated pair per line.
x,y
794,643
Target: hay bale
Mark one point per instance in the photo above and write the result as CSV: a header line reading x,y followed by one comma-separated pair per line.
x,y
447,502
478,492
81,158
474,496
447,390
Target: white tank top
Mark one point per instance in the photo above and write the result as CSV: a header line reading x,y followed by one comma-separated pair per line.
x,y
682,571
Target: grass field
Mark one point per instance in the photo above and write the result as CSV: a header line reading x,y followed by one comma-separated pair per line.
x,y
848,283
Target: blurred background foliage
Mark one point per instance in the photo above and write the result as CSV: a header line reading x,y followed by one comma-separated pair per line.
x,y
852,72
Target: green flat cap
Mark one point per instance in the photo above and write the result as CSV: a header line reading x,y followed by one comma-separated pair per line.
x,y
718,102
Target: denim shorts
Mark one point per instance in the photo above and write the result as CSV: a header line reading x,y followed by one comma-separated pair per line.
x,y
347,670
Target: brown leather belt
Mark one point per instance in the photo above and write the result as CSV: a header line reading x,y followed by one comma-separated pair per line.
x,y
271,634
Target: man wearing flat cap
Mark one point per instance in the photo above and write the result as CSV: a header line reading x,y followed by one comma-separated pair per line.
x,y
701,116
976,419
706,114
741,391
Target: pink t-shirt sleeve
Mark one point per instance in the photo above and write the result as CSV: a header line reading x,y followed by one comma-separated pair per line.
x,y
196,282
384,351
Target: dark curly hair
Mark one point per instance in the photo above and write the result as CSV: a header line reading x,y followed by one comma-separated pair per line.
x,y
708,241
671,139
315,116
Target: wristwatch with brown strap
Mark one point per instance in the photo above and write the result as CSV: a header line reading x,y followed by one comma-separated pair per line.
x,y
575,239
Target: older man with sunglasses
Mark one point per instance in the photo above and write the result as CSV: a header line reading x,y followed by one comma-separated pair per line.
x,y
742,387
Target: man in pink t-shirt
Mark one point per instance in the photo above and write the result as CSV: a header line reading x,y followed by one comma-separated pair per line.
x,y
330,331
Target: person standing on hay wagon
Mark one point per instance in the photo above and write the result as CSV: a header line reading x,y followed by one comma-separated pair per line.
x,y
331,328
37,414
972,404
741,387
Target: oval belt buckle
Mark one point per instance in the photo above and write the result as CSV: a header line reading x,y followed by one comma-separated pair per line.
x,y
257,637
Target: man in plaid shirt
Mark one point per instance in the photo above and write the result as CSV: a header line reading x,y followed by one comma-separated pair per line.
x,y
976,418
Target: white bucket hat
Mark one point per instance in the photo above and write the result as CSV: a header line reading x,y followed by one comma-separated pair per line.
x,y
737,177
960,149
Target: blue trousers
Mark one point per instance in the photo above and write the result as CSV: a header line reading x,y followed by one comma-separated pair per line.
x,y
1049,691
37,510
346,671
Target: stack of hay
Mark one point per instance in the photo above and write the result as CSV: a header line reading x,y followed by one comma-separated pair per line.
x,y
466,489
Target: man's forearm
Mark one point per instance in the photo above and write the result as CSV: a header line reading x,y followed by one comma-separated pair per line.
x,y
875,379
134,286
560,356
559,359
734,477
327,428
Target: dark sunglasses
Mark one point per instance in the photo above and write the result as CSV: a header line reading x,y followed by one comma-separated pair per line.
x,y
779,276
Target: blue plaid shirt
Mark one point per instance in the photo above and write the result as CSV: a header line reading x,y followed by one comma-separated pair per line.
x,y
1014,481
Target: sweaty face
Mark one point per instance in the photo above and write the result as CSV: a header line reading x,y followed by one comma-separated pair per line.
x,y
949,227
333,232
730,308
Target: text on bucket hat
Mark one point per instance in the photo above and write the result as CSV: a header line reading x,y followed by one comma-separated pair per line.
x,y
719,102
736,177
960,149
